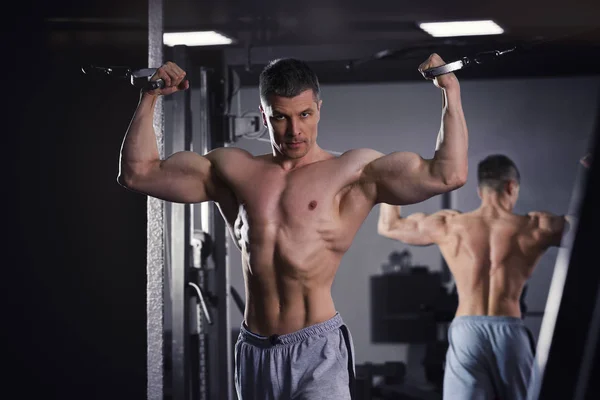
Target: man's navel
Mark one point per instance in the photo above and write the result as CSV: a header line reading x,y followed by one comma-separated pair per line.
x,y
312,205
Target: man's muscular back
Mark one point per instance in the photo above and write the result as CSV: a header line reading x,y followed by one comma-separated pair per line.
x,y
492,253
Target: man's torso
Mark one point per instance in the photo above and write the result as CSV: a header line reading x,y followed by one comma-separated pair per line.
x,y
292,227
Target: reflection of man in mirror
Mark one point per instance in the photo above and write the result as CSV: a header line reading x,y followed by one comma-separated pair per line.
x,y
491,253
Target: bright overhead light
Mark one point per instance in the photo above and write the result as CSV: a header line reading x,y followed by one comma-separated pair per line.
x,y
202,38
461,28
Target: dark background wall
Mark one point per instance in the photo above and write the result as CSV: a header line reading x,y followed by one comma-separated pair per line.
x,y
74,274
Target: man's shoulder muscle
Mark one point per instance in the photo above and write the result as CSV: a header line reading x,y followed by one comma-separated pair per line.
x,y
360,157
227,154
548,226
438,224
545,218
230,160
541,219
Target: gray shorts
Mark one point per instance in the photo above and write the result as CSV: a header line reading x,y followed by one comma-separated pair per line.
x,y
488,358
316,362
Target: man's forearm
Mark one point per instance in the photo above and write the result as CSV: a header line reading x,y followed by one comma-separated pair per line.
x,y
451,156
388,215
139,145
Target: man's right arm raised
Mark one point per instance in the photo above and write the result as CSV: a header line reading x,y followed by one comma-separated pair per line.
x,y
184,177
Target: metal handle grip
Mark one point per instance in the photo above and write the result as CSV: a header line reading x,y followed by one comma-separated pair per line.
x,y
431,73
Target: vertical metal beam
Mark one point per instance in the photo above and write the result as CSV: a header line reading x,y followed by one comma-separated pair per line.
x,y
181,239
219,231
180,301
199,122
155,243
212,99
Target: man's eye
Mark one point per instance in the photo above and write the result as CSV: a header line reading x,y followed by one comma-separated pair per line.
x,y
279,117
305,114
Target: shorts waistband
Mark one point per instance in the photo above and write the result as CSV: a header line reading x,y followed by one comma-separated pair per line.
x,y
289,338
487,319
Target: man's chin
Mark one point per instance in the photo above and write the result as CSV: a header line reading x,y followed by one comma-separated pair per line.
x,y
294,154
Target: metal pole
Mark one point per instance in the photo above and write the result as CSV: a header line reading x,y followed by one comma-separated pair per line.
x,y
155,242
212,99
181,242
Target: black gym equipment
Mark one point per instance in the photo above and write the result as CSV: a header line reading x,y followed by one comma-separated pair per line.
x,y
190,356
411,304
464,62
139,78
406,307
567,364
198,348
480,57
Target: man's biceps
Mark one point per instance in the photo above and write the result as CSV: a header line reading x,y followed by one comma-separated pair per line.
x,y
213,184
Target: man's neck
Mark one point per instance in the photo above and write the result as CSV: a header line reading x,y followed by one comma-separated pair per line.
x,y
314,154
496,202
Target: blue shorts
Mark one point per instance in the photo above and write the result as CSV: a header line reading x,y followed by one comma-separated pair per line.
x,y
488,358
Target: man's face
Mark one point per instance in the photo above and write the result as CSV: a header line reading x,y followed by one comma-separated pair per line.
x,y
292,122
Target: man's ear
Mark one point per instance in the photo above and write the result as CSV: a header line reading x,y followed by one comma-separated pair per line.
x,y
511,187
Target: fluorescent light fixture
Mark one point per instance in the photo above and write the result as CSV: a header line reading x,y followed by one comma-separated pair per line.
x,y
201,38
461,28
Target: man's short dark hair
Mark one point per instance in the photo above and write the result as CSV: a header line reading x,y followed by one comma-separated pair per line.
x,y
287,77
495,171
